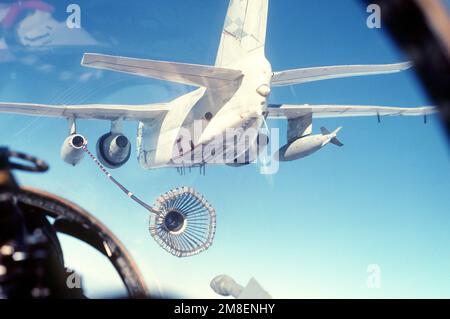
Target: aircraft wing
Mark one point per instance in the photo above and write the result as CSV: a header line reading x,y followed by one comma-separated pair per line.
x,y
299,76
330,111
89,111
188,74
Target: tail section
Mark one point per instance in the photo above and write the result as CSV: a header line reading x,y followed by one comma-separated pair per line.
x,y
244,30
334,140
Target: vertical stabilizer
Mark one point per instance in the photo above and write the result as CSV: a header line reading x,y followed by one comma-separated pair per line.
x,y
244,30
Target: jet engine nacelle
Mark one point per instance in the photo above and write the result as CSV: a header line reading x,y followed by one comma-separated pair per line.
x,y
113,150
72,151
307,145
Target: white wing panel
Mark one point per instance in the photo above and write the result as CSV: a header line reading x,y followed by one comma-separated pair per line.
x,y
330,111
88,111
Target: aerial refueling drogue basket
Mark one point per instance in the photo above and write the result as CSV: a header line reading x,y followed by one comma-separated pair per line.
x,y
181,221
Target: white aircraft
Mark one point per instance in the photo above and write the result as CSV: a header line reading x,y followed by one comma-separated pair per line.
x,y
192,130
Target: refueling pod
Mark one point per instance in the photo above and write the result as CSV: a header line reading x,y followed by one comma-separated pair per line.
x,y
307,145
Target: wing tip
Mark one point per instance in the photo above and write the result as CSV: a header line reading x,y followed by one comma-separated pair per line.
x,y
405,65
84,58
87,58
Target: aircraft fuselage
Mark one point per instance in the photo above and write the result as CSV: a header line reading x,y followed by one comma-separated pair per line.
x,y
202,129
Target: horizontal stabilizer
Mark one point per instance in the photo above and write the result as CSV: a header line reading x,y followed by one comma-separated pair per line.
x,y
188,74
305,75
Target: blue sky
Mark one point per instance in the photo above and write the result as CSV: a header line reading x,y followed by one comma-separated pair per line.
x,y
309,231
